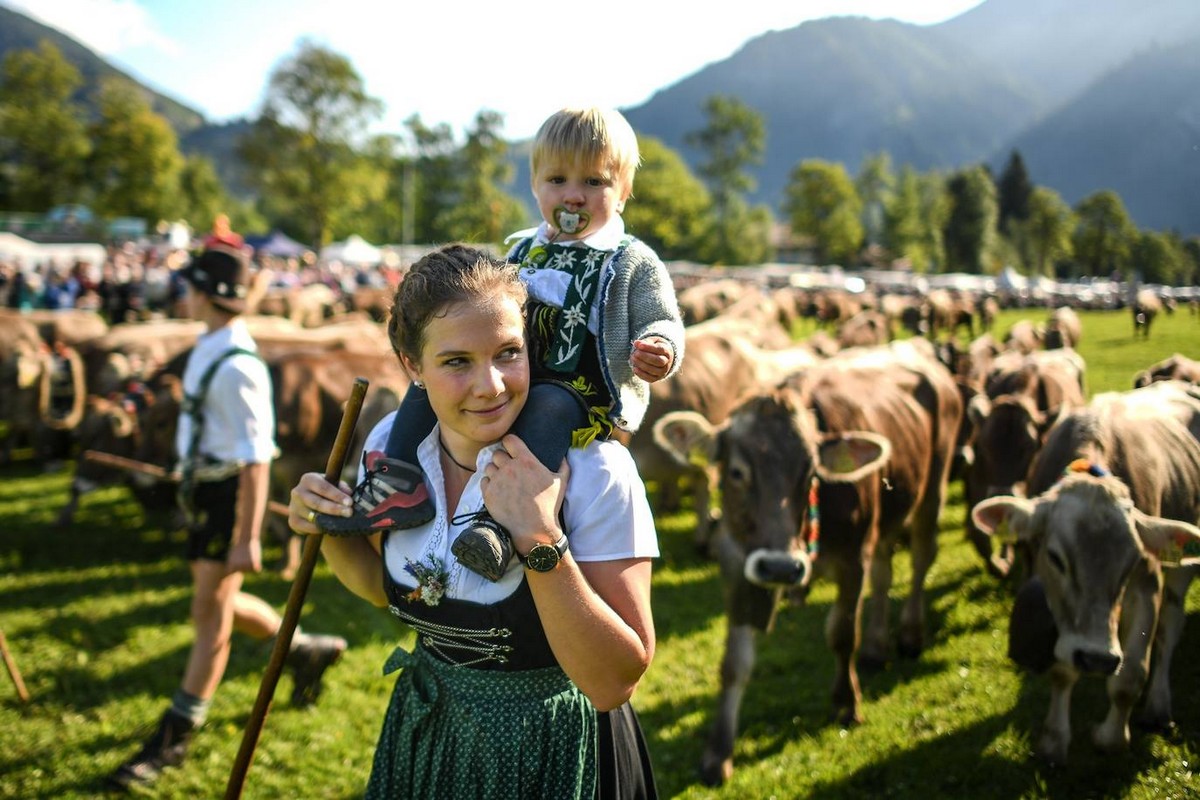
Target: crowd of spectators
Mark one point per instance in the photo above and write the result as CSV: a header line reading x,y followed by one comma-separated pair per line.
x,y
143,282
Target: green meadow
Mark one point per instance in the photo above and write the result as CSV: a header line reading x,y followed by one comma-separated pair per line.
x,y
96,620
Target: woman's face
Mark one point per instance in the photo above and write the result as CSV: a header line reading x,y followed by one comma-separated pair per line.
x,y
475,369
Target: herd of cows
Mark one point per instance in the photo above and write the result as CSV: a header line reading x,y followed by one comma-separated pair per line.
x,y
827,454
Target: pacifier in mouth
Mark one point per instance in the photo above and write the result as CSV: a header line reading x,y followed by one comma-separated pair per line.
x,y
571,222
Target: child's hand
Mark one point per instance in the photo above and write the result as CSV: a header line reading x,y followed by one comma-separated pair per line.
x,y
651,358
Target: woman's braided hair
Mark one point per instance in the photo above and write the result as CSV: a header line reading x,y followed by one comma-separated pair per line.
x,y
453,274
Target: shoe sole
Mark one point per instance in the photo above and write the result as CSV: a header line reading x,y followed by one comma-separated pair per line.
x,y
342,526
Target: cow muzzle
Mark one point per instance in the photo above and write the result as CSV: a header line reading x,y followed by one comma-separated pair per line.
x,y
777,569
1088,656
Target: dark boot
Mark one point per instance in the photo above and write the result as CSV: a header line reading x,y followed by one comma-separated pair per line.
x,y
310,656
484,547
165,748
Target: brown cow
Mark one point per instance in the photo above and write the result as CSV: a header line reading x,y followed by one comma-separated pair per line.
x,y
726,360
705,300
949,311
1023,398
1176,368
1024,337
1100,538
824,445
865,329
1145,307
310,389
1063,329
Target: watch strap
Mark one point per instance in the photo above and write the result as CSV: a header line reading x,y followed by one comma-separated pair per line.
x,y
562,546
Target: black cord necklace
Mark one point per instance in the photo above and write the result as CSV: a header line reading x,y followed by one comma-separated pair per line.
x,y
451,457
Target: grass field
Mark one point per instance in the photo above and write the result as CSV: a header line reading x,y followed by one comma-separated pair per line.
x,y
96,619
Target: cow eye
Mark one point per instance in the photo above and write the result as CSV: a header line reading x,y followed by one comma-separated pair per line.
x,y
736,474
1056,561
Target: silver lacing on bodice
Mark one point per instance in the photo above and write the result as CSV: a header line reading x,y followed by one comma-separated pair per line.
x,y
469,640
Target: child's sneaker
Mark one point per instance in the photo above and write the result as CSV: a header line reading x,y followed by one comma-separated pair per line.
x,y
484,547
391,495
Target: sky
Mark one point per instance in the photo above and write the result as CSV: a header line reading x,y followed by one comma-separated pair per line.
x,y
445,60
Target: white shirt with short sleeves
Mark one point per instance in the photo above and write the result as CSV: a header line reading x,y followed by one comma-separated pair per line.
x,y
239,415
605,512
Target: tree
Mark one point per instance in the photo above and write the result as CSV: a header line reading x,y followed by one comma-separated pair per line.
x,y
875,184
971,228
429,186
1191,264
480,210
821,201
1159,257
43,135
135,164
202,196
914,218
733,139
1104,237
1013,192
670,208
304,148
1046,232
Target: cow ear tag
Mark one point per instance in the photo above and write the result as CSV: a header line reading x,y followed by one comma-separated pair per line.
x,y
1004,531
839,458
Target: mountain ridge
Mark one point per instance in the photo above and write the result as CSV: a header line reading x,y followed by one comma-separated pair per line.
x,y
1093,93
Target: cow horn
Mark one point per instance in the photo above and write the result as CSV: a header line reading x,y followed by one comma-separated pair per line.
x,y
79,394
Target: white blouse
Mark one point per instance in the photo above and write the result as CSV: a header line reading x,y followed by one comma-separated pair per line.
x,y
606,514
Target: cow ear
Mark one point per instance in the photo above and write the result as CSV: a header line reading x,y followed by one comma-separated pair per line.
x,y
848,457
1173,543
687,437
1005,517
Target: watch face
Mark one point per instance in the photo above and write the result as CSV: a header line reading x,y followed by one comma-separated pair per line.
x,y
542,558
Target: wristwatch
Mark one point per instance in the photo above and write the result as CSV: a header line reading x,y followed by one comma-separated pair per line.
x,y
545,557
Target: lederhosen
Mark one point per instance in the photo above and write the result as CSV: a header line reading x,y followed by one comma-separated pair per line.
x,y
482,709
583,374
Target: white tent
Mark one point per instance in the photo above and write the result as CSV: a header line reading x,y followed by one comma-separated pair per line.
x,y
354,250
16,247
31,254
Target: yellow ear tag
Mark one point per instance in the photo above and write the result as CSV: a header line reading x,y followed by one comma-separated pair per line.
x,y
1170,553
1004,531
841,459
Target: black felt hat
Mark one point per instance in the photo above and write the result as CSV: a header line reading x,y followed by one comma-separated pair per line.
x,y
223,274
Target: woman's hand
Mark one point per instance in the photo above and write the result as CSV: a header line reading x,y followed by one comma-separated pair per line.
x,y
312,494
522,495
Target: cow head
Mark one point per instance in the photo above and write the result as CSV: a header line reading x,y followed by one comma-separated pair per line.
x,y
1087,538
767,455
1009,432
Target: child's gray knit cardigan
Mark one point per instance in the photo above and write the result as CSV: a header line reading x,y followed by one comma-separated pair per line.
x,y
636,300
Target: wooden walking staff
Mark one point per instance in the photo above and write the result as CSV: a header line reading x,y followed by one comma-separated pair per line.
x,y
13,672
291,615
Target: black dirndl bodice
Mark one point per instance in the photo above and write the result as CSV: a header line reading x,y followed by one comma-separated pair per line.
x,y
514,640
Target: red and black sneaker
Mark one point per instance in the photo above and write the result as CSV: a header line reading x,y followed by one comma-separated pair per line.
x,y
391,495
